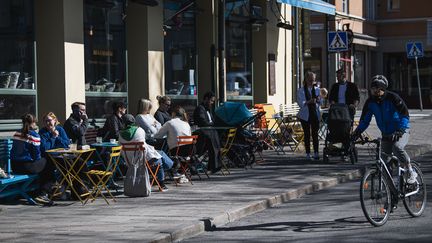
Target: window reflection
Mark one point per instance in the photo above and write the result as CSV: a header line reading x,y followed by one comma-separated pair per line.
x,y
104,40
238,48
180,48
17,82
105,55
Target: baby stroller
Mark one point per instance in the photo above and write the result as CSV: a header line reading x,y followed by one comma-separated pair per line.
x,y
339,127
246,143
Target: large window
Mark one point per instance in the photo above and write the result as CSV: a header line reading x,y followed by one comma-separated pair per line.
x,y
105,55
180,53
359,69
238,50
402,76
17,59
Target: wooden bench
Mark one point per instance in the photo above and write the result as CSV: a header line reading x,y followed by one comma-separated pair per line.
x,y
14,185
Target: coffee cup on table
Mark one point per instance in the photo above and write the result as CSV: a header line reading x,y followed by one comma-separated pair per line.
x,y
98,139
112,140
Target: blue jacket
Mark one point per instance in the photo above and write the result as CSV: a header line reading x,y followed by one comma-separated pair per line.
x,y
48,141
26,149
391,114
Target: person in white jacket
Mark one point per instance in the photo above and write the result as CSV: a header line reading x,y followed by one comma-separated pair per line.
x,y
309,100
177,126
133,133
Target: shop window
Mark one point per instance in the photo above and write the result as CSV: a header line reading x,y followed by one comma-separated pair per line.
x,y
359,69
402,75
180,52
105,55
312,63
238,50
17,59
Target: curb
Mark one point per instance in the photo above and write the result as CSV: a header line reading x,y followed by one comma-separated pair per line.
x,y
210,223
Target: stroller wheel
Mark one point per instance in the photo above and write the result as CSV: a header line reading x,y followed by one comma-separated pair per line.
x,y
354,155
325,156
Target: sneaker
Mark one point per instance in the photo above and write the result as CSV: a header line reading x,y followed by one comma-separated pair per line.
x,y
164,187
412,177
316,156
43,199
183,180
177,175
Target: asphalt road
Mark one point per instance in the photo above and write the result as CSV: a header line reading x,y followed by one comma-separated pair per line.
x,y
332,215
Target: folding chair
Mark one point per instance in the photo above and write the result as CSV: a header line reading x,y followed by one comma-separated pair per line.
x,y
100,178
185,158
138,150
226,148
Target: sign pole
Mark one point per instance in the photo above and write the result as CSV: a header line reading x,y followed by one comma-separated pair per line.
x,y
418,84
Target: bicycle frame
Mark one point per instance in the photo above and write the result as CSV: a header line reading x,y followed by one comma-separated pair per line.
x,y
397,192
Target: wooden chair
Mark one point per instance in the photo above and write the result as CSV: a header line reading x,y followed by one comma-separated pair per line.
x,y
139,154
100,178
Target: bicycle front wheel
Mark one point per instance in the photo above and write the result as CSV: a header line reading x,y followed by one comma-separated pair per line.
x,y
416,203
375,197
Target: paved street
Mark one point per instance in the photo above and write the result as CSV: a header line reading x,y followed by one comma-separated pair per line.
x,y
188,210
330,215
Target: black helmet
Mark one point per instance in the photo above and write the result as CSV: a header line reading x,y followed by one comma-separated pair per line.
x,y
379,81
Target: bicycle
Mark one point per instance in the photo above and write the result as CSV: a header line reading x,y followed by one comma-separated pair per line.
x,y
380,191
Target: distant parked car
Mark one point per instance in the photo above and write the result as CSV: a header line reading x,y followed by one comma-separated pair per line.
x,y
239,81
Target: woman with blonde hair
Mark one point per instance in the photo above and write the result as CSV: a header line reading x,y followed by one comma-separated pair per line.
x,y
145,120
52,134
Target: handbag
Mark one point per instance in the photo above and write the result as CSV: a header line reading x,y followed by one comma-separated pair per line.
x,y
137,181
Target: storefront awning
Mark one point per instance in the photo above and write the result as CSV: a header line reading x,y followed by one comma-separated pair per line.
x,y
314,5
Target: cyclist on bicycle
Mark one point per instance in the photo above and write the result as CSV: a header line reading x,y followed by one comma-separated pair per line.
x,y
392,117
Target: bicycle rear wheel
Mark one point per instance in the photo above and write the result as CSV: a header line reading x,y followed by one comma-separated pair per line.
x,y
375,197
416,203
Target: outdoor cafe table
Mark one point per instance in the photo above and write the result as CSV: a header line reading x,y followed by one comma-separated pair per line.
x,y
69,163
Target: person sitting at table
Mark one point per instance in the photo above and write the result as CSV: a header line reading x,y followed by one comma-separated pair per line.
x,y
177,126
162,114
149,123
133,133
26,157
54,136
113,124
208,139
77,123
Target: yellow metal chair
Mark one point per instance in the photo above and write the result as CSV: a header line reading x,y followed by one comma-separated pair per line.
x,y
225,150
99,178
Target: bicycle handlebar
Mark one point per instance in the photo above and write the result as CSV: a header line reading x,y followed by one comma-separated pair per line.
x,y
364,140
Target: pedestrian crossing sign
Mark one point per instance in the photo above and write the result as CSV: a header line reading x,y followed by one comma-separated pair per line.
x,y
337,41
414,49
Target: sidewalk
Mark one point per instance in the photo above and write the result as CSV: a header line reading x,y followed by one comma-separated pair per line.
x,y
186,210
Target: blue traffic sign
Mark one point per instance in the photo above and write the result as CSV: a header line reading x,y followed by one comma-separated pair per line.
x,y
337,41
414,49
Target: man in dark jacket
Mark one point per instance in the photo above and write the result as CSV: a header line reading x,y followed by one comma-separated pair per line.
x,y
208,139
77,123
344,92
114,123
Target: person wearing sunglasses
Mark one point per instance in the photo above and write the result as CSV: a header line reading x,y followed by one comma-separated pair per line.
x,y
392,117
162,114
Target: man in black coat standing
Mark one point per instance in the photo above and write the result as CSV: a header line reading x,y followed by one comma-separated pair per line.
x,y
208,139
345,92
